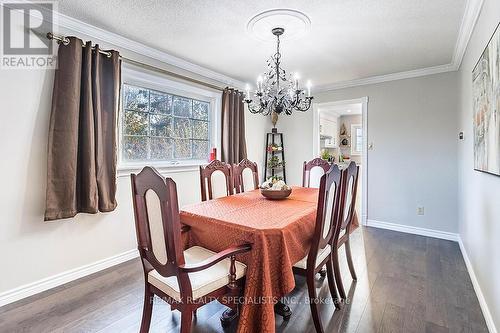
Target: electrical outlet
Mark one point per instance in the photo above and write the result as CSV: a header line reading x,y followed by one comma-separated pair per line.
x,y
420,211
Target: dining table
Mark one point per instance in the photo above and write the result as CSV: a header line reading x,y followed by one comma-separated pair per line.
x,y
280,232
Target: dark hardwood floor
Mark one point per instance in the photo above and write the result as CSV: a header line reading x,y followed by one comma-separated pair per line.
x,y
406,283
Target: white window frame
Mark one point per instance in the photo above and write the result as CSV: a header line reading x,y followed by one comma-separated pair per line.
x,y
131,75
354,139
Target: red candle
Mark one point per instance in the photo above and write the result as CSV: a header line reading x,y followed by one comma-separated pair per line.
x,y
213,154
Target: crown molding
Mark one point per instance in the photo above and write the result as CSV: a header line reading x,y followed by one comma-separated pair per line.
x,y
68,24
144,50
386,78
469,19
471,15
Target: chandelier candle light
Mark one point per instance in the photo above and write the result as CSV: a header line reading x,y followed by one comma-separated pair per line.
x,y
275,93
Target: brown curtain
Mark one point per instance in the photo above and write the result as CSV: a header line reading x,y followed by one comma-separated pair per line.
x,y
81,166
234,147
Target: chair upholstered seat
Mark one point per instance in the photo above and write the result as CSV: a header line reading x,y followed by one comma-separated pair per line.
x,y
203,282
325,252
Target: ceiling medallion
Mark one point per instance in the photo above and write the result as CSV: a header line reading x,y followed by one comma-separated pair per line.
x,y
296,24
275,93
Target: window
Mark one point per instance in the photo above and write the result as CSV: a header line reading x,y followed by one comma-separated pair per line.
x,y
163,125
357,139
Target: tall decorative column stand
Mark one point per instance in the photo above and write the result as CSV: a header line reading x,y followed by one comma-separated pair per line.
x,y
275,156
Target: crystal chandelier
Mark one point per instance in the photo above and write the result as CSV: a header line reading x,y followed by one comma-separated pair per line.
x,y
275,93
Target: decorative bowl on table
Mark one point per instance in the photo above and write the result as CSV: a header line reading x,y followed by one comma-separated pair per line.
x,y
275,189
275,194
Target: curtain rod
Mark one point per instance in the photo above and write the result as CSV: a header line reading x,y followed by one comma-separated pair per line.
x,y
65,41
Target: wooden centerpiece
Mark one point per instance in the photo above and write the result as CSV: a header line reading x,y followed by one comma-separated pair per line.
x,y
275,189
276,194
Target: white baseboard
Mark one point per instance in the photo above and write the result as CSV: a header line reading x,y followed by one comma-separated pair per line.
x,y
68,276
36,287
479,293
413,230
448,236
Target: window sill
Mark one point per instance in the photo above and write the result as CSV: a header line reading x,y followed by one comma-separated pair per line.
x,y
164,169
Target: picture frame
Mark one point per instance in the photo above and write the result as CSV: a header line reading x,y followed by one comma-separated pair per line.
x,y
486,107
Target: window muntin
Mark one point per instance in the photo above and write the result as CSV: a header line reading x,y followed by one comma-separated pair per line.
x,y
158,126
357,139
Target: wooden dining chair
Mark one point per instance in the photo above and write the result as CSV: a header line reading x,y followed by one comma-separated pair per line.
x,y
312,172
320,252
348,203
216,180
185,279
245,176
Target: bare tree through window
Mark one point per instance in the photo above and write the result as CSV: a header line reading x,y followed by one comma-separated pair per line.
x,y
157,126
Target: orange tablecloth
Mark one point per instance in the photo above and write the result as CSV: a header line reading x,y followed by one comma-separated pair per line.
x,y
280,233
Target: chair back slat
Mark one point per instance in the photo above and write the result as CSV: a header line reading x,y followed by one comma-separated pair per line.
x,y
157,221
312,169
349,192
206,180
242,182
327,216
156,230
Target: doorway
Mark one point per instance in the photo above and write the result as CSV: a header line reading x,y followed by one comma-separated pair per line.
x,y
340,133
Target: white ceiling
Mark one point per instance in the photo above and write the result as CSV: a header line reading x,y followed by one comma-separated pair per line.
x,y
341,109
348,39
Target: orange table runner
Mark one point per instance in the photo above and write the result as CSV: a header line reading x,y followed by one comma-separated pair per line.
x,y
280,233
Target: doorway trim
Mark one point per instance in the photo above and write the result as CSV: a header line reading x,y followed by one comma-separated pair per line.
x,y
364,155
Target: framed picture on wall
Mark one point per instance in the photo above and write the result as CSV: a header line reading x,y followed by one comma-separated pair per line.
x,y
486,107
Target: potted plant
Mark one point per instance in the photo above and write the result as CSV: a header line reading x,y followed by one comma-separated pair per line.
x,y
325,155
274,162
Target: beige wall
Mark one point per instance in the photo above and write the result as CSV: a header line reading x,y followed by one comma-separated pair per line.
x,y
413,125
33,249
479,193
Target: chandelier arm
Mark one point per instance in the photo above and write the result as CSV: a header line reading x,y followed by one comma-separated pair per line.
x,y
275,92
307,105
253,109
